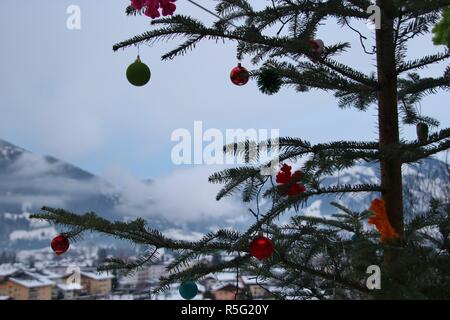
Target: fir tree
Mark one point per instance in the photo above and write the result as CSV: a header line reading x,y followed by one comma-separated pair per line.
x,y
316,257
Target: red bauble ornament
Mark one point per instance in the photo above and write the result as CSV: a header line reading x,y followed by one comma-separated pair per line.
x,y
317,47
60,244
239,75
261,248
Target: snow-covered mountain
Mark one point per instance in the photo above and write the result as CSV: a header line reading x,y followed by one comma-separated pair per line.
x,y
422,181
29,181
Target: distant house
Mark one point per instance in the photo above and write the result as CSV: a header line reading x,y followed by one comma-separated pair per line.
x,y
22,285
141,278
156,271
68,291
135,280
219,278
254,287
225,291
97,283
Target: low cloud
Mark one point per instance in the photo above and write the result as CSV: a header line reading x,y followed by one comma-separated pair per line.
x,y
183,196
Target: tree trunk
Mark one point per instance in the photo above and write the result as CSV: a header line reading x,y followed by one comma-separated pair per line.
x,y
391,170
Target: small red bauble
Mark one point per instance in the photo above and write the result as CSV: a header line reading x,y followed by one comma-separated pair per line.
x,y
261,248
239,75
317,47
60,244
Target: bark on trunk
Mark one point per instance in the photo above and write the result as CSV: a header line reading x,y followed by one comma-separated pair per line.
x,y
391,170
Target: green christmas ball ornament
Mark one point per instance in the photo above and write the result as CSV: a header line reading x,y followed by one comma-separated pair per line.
x,y
188,290
138,73
269,81
442,29
422,132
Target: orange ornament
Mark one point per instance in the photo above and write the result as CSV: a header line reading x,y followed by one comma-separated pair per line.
x,y
381,221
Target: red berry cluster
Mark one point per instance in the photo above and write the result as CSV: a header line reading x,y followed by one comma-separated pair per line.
x,y
152,7
289,183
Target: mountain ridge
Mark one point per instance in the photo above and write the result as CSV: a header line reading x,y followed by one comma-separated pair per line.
x,y
28,182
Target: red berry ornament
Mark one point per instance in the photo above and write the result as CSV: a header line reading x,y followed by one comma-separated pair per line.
x,y
261,248
239,75
152,7
60,244
289,183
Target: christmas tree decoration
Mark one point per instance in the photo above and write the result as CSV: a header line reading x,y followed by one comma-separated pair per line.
x,y
313,247
381,221
261,247
152,7
289,184
60,244
269,81
442,29
355,237
252,34
188,290
138,73
239,75
317,47
422,132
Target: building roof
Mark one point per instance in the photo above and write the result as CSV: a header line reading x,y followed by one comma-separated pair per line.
x,y
48,274
225,276
30,280
224,286
97,275
251,280
7,270
201,288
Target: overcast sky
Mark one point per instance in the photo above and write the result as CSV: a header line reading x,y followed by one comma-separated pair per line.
x,y
64,92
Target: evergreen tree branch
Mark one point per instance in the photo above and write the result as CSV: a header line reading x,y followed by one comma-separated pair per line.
x,y
328,276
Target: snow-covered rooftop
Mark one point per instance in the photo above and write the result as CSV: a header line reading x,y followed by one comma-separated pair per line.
x,y
201,288
221,286
97,275
251,280
48,274
30,280
225,276
7,270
